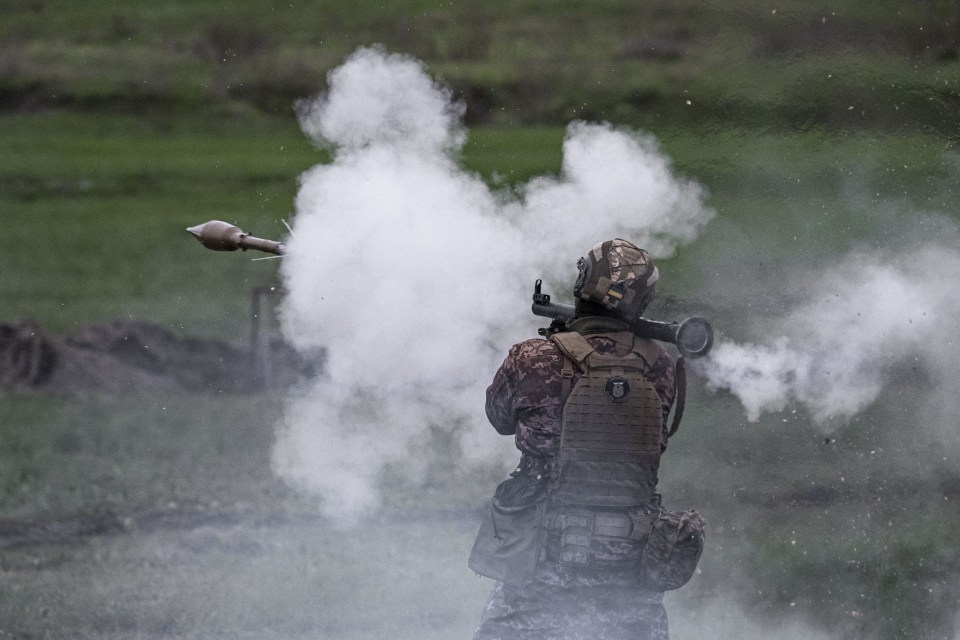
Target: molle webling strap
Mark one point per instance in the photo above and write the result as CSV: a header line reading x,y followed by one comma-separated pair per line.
x,y
566,376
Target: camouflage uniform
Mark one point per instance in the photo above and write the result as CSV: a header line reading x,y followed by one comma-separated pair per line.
x,y
526,400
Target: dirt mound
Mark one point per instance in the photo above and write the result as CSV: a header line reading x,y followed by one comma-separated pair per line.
x,y
132,355
126,356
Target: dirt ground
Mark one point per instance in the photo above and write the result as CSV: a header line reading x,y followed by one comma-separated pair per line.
x,y
125,356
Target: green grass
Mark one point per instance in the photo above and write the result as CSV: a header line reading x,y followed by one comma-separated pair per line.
x,y
95,211
95,206
513,155
514,63
70,455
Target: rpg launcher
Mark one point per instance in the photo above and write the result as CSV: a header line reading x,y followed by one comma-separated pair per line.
x,y
693,337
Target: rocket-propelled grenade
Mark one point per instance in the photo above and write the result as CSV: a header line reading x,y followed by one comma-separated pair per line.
x,y
693,336
223,236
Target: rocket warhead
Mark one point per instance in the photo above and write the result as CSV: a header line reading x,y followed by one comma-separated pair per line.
x,y
223,236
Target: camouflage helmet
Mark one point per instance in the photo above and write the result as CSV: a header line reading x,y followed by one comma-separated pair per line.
x,y
617,277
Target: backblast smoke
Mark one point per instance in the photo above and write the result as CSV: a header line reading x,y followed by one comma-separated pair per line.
x,y
415,276
875,321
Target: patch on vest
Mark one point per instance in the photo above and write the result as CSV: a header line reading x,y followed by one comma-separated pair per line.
x,y
617,389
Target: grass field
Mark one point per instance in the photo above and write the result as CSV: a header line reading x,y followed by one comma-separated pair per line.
x,y
817,128
797,64
97,205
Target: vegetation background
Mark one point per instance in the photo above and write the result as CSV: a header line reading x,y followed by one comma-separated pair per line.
x,y
155,515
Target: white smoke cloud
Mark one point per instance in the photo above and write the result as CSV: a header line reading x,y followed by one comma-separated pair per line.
x,y
614,181
416,277
877,319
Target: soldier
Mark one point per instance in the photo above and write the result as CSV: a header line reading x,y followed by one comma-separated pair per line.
x,y
576,537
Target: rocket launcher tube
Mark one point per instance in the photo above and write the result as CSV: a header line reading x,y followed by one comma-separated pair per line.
x,y
693,337
223,236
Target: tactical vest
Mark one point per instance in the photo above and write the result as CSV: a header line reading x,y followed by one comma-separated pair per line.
x,y
599,509
612,423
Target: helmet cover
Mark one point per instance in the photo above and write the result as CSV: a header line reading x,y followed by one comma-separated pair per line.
x,y
618,276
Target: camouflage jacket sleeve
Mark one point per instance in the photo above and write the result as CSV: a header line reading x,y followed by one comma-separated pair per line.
x,y
525,398
524,386
662,375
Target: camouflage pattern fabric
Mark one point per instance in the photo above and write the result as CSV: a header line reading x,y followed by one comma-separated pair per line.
x,y
617,274
539,611
526,400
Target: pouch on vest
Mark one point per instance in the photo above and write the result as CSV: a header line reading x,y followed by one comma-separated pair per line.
x,y
673,550
510,539
581,539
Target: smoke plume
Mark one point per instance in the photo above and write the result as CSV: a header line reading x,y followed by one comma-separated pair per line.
x,y
415,276
877,320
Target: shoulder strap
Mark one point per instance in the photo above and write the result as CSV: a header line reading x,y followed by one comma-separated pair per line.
x,y
574,346
646,349
575,350
681,396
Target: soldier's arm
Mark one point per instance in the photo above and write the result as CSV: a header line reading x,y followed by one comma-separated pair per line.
x,y
663,377
500,393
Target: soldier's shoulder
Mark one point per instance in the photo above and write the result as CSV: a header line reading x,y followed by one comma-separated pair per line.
x,y
657,355
656,348
653,352
534,348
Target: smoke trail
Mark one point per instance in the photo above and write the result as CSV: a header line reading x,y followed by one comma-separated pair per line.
x,y
415,276
876,319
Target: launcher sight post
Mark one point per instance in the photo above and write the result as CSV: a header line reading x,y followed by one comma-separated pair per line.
x,y
693,337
